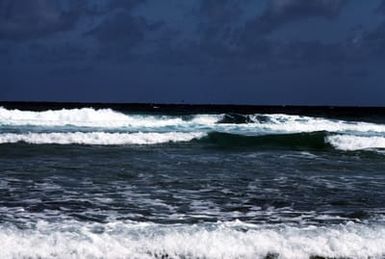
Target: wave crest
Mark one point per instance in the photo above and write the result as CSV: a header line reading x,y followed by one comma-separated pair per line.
x,y
353,143
99,138
89,117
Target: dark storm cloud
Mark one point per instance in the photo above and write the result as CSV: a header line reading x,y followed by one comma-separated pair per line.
x,y
281,12
381,8
175,46
25,19
29,19
125,4
373,42
121,32
221,11
62,52
234,44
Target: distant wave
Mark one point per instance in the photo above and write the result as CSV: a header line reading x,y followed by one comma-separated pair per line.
x,y
89,117
296,123
99,138
224,130
230,123
216,240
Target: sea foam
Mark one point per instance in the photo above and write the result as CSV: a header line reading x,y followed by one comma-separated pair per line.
x,y
218,240
352,143
99,138
297,124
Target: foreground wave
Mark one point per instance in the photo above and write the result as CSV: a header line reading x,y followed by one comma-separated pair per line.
x,y
216,240
99,138
296,141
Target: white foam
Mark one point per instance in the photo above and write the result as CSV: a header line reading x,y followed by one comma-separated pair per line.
x,y
221,240
296,124
89,117
99,138
351,142
107,118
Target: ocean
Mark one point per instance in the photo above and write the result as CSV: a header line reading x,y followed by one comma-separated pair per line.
x,y
93,182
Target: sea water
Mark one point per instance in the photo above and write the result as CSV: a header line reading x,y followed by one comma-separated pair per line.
x,y
99,183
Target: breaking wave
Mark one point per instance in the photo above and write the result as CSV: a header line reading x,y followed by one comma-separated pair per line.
x,y
352,143
99,138
297,141
296,123
226,130
216,240
89,117
107,118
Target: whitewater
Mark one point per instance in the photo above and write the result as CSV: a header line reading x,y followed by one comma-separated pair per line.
x,y
102,183
107,127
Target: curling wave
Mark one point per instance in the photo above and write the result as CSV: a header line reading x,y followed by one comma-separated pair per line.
x,y
218,240
99,138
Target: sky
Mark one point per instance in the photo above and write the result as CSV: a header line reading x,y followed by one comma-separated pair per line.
x,y
262,52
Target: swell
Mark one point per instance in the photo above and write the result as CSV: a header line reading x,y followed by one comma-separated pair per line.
x,y
312,140
321,140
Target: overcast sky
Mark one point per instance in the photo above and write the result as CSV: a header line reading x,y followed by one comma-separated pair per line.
x,y
311,52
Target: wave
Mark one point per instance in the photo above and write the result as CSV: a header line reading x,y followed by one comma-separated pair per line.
x,y
89,117
217,240
353,143
230,123
297,141
99,138
294,123
312,140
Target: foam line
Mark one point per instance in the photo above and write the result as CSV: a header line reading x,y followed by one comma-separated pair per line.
x,y
99,138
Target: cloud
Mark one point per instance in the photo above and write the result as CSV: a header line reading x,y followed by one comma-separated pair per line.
x,y
281,12
26,19
30,19
127,5
221,11
121,32
381,8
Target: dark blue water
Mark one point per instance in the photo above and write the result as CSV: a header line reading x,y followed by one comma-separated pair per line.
x,y
103,184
